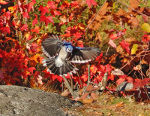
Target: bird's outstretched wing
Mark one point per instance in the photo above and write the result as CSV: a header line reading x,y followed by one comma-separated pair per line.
x,y
84,55
51,46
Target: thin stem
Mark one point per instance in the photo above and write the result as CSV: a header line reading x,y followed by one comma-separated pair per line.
x,y
89,79
69,87
104,82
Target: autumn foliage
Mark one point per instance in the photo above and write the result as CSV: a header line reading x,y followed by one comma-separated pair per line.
x,y
120,30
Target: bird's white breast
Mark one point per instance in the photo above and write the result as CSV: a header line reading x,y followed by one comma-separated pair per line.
x,y
59,61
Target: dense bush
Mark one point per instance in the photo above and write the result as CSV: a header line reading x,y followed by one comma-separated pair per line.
x,y
119,29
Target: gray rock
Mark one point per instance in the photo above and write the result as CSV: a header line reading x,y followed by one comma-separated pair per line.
x,y
22,101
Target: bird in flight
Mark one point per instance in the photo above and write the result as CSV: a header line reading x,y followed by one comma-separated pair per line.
x,y
62,55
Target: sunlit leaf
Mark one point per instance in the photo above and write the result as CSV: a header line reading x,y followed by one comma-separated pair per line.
x,y
134,49
146,27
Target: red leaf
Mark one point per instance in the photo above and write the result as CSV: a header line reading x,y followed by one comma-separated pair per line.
x,y
24,27
56,77
36,29
35,21
31,69
129,79
30,6
113,36
8,15
48,19
25,15
51,5
77,35
108,68
146,38
99,58
1,56
74,4
5,30
43,10
117,35
33,47
125,46
57,13
34,1
90,3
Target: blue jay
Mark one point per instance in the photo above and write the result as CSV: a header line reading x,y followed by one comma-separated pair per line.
x,y
61,55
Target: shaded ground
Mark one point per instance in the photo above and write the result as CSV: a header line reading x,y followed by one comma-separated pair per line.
x,y
108,105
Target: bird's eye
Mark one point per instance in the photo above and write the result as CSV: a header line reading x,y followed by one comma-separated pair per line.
x,y
68,49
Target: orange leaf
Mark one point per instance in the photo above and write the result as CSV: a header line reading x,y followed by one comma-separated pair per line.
x,y
134,4
121,104
87,100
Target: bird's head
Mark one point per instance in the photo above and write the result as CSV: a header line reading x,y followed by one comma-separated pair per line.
x,y
69,48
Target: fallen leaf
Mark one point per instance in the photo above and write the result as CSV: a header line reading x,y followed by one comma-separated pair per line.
x,y
87,101
84,96
112,44
65,93
121,104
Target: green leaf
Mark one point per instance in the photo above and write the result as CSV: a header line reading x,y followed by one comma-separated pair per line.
x,y
134,49
146,27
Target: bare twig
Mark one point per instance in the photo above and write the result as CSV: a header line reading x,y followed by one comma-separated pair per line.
x,y
130,7
107,50
133,58
75,95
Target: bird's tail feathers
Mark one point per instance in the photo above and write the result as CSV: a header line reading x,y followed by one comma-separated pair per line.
x,y
66,68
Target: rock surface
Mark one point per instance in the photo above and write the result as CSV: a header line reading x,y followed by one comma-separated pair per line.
x,y
22,101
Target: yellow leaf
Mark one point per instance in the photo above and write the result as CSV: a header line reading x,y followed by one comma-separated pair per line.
x,y
37,58
134,49
146,27
12,9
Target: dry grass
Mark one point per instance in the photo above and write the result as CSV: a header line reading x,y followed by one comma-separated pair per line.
x,y
108,105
